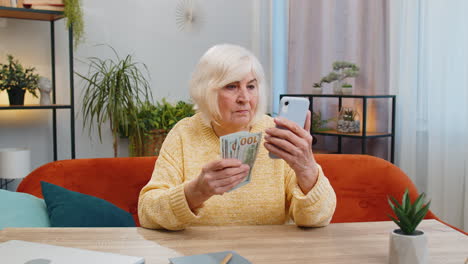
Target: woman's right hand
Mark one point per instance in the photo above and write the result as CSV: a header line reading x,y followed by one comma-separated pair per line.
x,y
216,177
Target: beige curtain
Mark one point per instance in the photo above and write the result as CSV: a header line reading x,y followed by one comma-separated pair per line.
x,y
324,31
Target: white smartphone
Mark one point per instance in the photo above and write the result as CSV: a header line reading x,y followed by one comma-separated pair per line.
x,y
294,109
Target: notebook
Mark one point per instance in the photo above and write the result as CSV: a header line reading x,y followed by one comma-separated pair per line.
x,y
210,258
23,252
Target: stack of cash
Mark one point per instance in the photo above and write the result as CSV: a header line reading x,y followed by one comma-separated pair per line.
x,y
242,146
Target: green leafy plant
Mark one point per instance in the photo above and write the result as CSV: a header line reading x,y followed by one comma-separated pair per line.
x,y
318,124
341,71
14,78
156,121
163,115
74,14
347,85
114,90
408,215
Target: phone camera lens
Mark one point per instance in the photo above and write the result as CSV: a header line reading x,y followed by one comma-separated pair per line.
x,y
286,103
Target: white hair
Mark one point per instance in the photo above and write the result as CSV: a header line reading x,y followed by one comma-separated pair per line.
x,y
219,66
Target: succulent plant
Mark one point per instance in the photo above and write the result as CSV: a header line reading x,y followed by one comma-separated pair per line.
x,y
349,114
408,215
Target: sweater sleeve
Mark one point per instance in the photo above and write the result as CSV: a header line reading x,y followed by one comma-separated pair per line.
x,y
313,209
162,203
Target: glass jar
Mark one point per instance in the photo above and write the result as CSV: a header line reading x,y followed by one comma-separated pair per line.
x,y
348,121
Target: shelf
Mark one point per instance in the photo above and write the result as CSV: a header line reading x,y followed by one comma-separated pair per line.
x,y
30,14
354,135
339,136
26,107
342,95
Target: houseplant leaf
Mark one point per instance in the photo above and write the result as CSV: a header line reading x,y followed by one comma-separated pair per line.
x,y
114,89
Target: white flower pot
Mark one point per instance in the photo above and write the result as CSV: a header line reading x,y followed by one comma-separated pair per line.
x,y
408,249
316,90
346,90
337,87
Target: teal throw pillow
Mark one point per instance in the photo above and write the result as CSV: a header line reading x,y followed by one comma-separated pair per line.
x,y
73,209
22,210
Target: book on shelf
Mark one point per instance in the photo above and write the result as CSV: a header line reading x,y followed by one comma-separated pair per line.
x,y
43,2
6,3
48,7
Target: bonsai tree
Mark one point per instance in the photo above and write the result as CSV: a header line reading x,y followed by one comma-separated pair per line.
x,y
345,70
154,122
114,90
408,215
17,80
341,71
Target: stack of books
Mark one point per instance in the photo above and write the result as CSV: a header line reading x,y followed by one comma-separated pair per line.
x,y
56,5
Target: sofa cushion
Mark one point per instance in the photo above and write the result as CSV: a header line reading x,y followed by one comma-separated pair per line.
x,y
73,209
22,210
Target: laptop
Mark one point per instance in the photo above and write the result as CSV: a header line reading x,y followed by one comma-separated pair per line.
x,y
23,252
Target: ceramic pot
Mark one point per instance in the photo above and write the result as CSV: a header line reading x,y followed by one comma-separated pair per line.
x,y
316,90
408,248
346,90
337,87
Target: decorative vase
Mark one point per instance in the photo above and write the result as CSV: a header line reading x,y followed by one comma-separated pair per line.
x,y
337,87
408,248
16,96
150,145
348,121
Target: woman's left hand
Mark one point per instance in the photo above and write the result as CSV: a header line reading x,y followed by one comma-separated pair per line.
x,y
294,145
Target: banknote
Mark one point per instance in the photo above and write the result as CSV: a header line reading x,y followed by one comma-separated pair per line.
x,y
242,146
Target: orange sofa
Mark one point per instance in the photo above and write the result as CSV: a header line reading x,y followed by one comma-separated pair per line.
x,y
361,182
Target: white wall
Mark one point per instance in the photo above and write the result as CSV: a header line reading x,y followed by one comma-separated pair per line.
x,y
145,29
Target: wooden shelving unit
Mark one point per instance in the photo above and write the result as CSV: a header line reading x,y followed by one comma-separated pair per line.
x,y
30,14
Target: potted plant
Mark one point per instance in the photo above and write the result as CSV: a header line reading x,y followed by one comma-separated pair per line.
x,y
348,121
114,90
317,88
341,71
346,88
154,122
407,244
17,80
332,76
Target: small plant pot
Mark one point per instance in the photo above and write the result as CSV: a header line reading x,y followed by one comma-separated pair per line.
x,y
316,90
16,96
346,90
348,121
337,87
151,143
407,248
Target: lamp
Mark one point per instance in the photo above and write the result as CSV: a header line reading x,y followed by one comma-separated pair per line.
x,y
15,163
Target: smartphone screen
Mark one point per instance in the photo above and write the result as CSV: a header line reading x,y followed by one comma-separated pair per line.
x,y
294,109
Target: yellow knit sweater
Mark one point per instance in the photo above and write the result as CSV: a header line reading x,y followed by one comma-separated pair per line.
x,y
272,196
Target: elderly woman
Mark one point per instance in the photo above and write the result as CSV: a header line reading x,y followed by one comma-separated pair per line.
x,y
190,182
